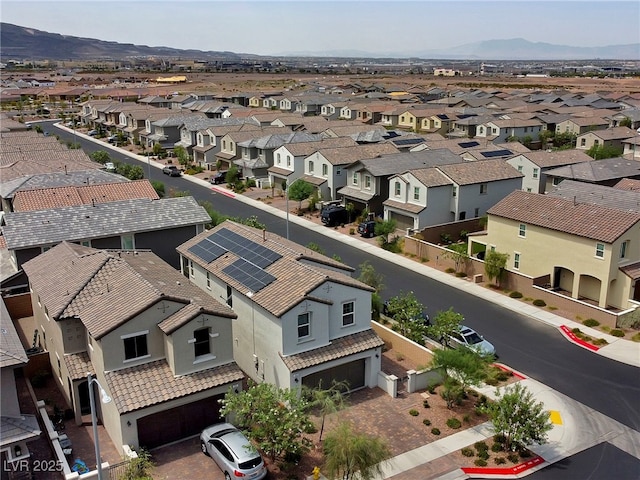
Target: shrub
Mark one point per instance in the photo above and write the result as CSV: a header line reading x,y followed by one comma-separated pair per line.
x,y
450,270
481,446
480,462
617,332
352,231
425,403
478,411
413,412
466,418
453,423
515,294
591,322
497,447
538,302
513,458
426,421
500,438
484,455
502,376
524,453
435,431
500,460
493,381
461,274
431,388
467,452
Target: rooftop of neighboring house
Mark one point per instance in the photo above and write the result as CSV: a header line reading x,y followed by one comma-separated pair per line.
x,y
350,154
482,171
588,121
11,350
591,221
628,184
598,170
615,133
402,162
556,158
611,197
307,148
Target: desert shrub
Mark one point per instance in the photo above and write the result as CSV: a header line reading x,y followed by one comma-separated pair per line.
x,y
617,332
575,330
502,376
481,446
500,460
413,412
425,403
466,418
450,270
514,457
454,423
479,462
524,453
478,411
500,438
352,231
600,341
538,302
515,294
497,447
461,274
467,452
431,388
591,322
311,428
493,381
484,455
426,421
435,431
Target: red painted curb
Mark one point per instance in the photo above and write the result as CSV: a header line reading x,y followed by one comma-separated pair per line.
x,y
223,192
507,369
572,336
506,470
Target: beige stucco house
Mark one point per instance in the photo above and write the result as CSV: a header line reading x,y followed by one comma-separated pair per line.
x,y
611,137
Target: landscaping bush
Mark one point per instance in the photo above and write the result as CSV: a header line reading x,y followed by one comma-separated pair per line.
x,y
538,302
425,403
431,388
413,412
461,274
466,418
499,438
484,455
591,322
500,460
493,381
450,270
480,462
514,457
617,333
524,453
467,452
426,421
454,423
435,431
481,446
497,447
502,376
515,294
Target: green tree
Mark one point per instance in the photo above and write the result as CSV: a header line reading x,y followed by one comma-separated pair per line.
x,y
495,264
626,122
598,152
157,149
158,186
182,155
132,172
300,191
274,418
519,418
464,366
232,175
407,311
444,324
139,468
350,454
100,156
369,276
384,229
564,140
458,253
328,401
350,208
315,247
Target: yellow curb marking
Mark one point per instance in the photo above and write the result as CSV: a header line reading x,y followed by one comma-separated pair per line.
x,y
555,417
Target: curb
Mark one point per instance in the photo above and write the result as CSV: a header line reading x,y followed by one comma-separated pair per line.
x,y
517,470
566,331
515,373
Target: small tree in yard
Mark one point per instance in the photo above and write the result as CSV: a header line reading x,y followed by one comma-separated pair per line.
x,y
406,310
445,323
274,418
494,265
375,280
517,417
329,400
300,191
100,156
384,229
464,366
458,253
350,454
182,155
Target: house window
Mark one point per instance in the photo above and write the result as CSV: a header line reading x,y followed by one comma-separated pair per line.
x,y
354,179
454,192
304,325
367,182
325,170
516,261
462,216
476,213
522,230
127,242
208,281
483,189
583,142
135,346
224,144
624,249
416,193
85,243
600,250
535,173
494,130
310,166
202,344
348,315
520,168
556,181
288,160
396,189
278,158
229,296
191,273
402,118
596,143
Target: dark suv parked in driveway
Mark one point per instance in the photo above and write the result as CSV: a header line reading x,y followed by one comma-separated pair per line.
x,y
367,229
332,215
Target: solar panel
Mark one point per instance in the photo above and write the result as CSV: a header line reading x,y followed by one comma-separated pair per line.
x,y
408,141
244,248
497,153
249,275
207,251
468,144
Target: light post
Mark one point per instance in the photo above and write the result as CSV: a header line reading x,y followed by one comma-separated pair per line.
x,y
286,197
105,399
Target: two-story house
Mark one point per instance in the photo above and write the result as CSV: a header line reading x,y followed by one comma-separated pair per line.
x,y
302,320
611,137
631,148
499,131
166,130
585,250
579,125
534,166
229,149
160,346
607,171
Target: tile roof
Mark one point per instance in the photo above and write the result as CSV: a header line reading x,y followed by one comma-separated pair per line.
x,y
469,173
349,155
598,170
431,177
616,133
11,350
632,270
153,383
338,348
628,184
78,365
307,148
405,161
45,227
581,219
407,207
556,158
626,200
17,164
42,199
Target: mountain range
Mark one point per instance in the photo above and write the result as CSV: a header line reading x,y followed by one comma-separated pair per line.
x,y
23,43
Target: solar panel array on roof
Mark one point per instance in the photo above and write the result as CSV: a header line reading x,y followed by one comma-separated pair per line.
x,y
244,248
408,141
468,144
207,250
497,153
249,275
442,116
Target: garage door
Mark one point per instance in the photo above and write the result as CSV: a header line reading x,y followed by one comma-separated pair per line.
x,y
177,423
402,221
352,373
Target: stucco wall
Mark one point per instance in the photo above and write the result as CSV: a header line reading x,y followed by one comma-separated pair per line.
x,y
418,354
19,306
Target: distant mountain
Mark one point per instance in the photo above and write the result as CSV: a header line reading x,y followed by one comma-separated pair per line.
x,y
27,43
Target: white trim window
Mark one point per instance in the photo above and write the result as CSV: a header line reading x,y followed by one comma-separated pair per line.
x,y
396,189
348,314
516,260
310,166
135,345
624,249
354,178
416,193
599,250
522,230
325,170
304,325
202,342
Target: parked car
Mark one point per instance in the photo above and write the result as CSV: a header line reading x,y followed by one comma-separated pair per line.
x,y
219,177
172,171
112,139
332,215
468,338
109,167
92,133
367,229
233,452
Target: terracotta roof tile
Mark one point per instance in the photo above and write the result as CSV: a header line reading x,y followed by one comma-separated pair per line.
x,y
469,173
78,365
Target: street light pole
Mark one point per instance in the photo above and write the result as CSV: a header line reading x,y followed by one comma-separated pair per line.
x,y
105,399
286,196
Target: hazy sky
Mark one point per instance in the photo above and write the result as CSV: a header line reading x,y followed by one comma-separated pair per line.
x,y
271,28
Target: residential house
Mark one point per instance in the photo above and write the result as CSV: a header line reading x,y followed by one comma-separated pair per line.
x,y
192,126
208,141
229,149
579,125
630,117
159,346
607,172
17,428
631,148
535,165
302,319
584,250
500,131
611,137
165,131
367,180
415,119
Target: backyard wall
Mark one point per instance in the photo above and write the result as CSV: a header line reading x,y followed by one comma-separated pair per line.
x,y
418,354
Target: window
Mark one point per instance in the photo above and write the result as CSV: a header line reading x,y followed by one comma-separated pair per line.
x,y
454,192
191,273
229,296
516,261
520,167
535,173
396,189
127,242
325,170
288,160
278,158
600,250
367,182
224,144
476,213
596,143
310,166
304,325
201,345
624,249
135,346
522,230
494,130
208,281
416,193
354,179
483,189
556,181
583,142
462,215
348,316
85,243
